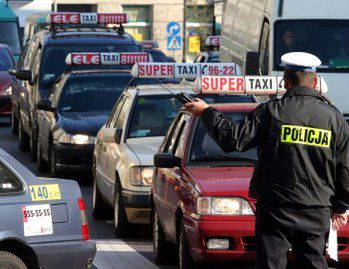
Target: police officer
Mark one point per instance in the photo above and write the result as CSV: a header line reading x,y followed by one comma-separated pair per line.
x,y
302,177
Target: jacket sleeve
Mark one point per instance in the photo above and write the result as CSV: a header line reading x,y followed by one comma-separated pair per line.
x,y
340,201
237,136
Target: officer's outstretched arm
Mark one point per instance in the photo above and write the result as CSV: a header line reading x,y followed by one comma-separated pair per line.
x,y
237,136
340,201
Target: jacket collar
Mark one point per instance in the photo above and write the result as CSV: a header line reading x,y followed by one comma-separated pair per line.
x,y
301,91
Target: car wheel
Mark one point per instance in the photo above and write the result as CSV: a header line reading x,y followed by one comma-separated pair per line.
x,y
185,258
52,161
121,224
23,138
33,142
41,163
164,251
14,122
11,261
100,209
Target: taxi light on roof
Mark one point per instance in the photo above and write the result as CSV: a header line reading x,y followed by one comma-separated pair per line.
x,y
149,44
86,18
213,41
96,58
258,85
182,70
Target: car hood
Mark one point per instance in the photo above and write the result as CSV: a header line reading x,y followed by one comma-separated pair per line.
x,y
83,122
145,148
223,181
5,80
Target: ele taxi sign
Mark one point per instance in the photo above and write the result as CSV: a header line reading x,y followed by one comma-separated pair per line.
x,y
86,18
213,41
258,85
182,70
96,58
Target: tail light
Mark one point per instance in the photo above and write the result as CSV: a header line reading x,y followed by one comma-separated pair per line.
x,y
84,226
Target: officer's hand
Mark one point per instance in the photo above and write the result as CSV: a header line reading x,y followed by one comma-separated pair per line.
x,y
196,108
339,220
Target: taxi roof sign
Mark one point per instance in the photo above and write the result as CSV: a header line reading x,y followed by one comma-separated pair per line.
x,y
257,85
149,44
213,41
183,70
59,18
106,58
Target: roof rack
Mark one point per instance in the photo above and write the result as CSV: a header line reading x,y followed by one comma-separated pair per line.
x,y
55,29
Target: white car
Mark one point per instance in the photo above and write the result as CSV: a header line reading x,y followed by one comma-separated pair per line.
x,y
124,150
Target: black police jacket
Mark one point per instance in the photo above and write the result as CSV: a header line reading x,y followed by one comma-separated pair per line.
x,y
303,149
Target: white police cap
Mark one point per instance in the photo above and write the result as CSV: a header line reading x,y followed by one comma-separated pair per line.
x,y
300,61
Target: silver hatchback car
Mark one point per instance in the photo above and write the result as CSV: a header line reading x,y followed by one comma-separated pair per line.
x,y
43,221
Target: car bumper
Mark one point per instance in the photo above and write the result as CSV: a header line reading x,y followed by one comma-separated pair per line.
x,y
80,254
240,234
73,158
137,206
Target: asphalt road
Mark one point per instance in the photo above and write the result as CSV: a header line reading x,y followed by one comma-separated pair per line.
x,y
102,231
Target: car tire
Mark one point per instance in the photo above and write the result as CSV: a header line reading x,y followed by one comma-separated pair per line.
x,y
121,225
11,261
14,122
23,138
52,161
33,143
164,251
185,259
41,163
100,209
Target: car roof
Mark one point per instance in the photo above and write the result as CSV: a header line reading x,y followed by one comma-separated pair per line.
x,y
74,35
99,72
245,107
158,90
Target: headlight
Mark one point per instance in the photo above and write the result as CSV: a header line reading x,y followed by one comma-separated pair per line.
x,y
234,206
8,91
141,176
77,139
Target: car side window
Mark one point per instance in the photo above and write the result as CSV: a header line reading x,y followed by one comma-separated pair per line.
x,y
24,54
181,137
172,146
33,47
123,114
114,115
56,92
35,65
9,182
167,142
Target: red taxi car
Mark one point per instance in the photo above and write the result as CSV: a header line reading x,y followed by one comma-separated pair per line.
x,y
200,196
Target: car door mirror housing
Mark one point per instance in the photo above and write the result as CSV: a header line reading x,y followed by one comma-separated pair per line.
x,y
118,134
21,74
252,63
45,105
166,160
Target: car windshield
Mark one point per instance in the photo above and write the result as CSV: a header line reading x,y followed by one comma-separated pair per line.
x,y
6,62
158,56
205,150
327,39
9,35
53,62
152,115
91,93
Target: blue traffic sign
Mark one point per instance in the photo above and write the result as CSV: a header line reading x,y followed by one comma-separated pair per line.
x,y
174,42
173,28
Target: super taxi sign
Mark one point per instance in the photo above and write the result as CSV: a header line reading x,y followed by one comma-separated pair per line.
x,y
258,85
80,58
86,18
182,70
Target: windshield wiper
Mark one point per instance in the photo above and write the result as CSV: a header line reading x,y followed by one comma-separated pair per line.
x,y
224,158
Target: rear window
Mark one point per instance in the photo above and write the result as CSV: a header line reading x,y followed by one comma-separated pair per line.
x,y
9,183
6,62
53,62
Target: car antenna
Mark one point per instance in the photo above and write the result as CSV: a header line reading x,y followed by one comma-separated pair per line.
x,y
182,97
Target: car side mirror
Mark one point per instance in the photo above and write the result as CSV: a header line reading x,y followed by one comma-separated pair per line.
x,y
166,160
118,133
252,63
45,105
21,74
